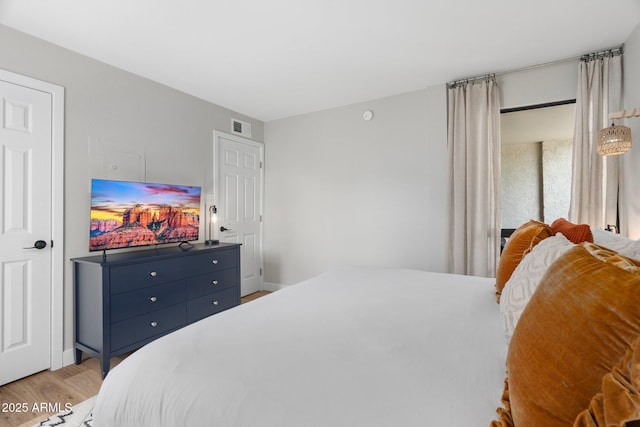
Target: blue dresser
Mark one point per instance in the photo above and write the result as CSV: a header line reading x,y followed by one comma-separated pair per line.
x,y
126,300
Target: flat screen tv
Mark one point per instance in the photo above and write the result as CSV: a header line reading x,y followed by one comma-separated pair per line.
x,y
127,214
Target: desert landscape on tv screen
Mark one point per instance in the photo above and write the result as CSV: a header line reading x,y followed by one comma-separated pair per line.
x,y
127,214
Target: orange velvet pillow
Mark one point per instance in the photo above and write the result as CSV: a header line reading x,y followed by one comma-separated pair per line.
x,y
579,323
618,401
523,239
576,233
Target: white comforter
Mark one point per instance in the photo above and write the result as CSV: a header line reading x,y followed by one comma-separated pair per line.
x,y
354,347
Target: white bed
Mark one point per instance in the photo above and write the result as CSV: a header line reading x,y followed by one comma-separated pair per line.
x,y
353,347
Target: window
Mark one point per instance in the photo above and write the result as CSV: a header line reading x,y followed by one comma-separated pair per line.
x,y
536,157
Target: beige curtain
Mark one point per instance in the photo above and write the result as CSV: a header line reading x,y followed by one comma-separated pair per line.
x,y
474,151
595,178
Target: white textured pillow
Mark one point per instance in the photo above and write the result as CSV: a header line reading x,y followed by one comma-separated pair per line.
x,y
622,245
525,278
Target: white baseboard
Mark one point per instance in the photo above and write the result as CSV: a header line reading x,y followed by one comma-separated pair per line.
x,y
67,357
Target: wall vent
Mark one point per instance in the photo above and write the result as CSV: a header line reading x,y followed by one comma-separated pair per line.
x,y
241,128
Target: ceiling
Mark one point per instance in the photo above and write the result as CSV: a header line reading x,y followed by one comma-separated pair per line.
x,y
279,58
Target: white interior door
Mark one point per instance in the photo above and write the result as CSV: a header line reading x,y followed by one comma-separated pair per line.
x,y
25,218
239,186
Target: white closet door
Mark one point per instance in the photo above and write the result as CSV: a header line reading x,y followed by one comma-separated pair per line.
x,y
25,231
239,166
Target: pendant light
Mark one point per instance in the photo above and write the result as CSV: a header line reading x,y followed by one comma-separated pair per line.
x,y
614,140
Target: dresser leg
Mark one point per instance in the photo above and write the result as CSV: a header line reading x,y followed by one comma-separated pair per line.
x,y
77,356
105,366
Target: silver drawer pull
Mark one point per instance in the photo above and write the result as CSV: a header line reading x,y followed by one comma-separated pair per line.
x,y
153,299
215,303
153,274
154,324
215,282
215,261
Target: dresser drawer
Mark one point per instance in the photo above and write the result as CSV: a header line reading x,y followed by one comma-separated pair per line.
x,y
146,300
212,261
125,300
207,305
129,277
209,283
142,327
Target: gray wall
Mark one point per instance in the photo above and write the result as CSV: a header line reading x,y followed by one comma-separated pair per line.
x,y
342,191
114,115
539,85
630,216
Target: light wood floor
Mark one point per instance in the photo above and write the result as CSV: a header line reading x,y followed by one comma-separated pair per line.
x,y
71,384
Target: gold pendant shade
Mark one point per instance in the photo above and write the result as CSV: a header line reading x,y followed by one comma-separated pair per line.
x,y
614,140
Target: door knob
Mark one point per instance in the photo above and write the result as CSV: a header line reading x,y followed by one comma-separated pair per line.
x,y
223,229
39,244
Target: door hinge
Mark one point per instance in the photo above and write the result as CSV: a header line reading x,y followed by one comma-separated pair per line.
x,y
52,243
260,218
261,272
260,164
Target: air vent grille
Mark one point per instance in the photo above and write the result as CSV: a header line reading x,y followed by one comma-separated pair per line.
x,y
241,128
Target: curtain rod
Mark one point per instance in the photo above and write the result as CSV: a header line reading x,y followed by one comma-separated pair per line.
x,y
590,56
603,54
486,77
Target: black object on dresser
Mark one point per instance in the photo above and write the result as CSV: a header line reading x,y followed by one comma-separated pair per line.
x,y
125,300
